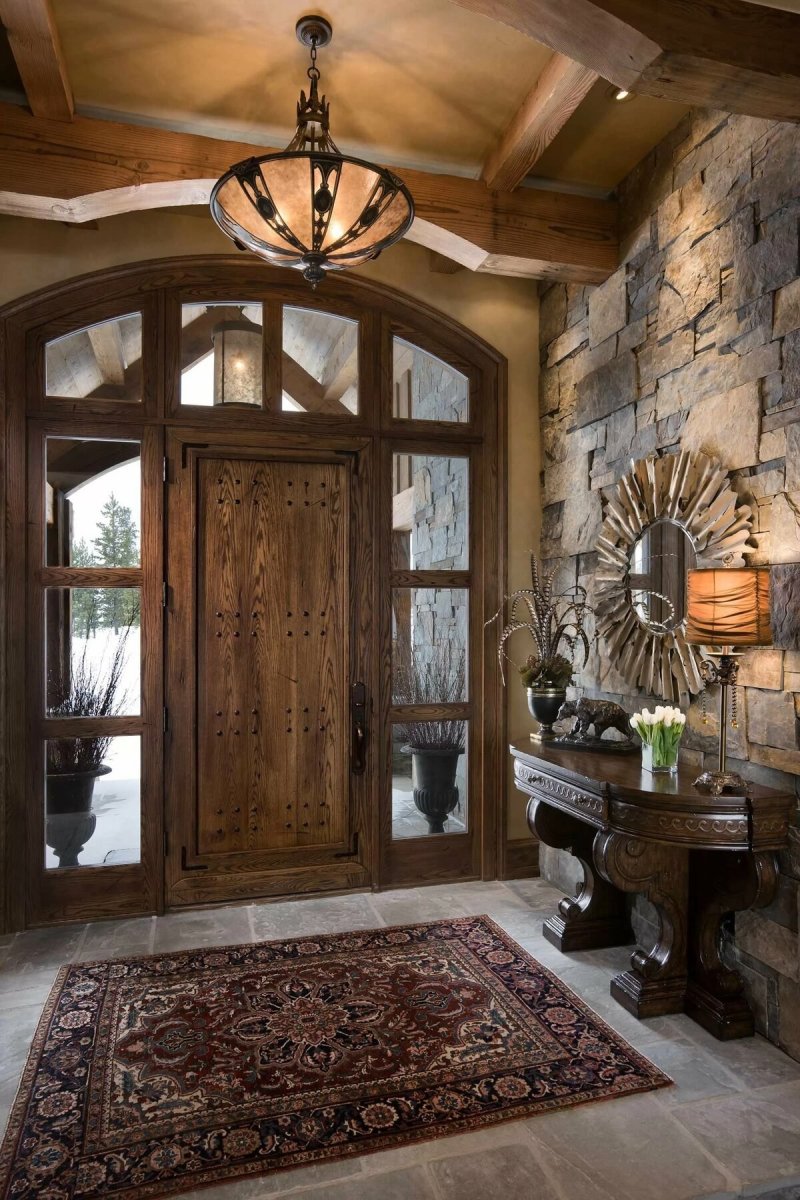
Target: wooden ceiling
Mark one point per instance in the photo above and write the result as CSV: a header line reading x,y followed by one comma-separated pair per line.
x,y
467,99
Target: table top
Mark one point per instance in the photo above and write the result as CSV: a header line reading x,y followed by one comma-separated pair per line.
x,y
624,772
613,792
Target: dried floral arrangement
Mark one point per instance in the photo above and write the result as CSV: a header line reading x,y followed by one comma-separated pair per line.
x,y
555,621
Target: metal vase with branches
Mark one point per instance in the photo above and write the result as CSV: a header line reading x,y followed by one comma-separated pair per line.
x,y
84,690
439,680
434,746
79,689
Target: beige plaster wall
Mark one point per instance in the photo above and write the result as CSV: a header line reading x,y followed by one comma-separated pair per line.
x,y
503,311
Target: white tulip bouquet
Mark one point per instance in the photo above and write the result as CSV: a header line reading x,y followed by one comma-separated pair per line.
x,y
660,732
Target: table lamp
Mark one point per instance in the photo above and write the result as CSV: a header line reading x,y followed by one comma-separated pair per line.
x,y
727,609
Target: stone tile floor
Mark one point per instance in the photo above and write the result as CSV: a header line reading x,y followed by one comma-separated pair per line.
x,y
730,1128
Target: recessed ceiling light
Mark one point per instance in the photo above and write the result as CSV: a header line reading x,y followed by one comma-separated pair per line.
x,y
619,95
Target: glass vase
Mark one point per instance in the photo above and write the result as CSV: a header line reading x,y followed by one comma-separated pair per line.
x,y
659,759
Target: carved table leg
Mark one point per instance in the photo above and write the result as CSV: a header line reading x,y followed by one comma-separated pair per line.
x,y
597,915
656,982
720,883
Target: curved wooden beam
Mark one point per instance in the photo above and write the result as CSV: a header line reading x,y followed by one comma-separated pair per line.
x,y
89,169
724,54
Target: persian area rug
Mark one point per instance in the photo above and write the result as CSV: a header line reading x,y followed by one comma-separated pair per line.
x,y
152,1076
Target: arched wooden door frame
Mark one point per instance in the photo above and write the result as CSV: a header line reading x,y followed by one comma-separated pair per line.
x,y
154,288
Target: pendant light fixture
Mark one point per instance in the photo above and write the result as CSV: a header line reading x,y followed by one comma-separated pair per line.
x,y
311,207
237,361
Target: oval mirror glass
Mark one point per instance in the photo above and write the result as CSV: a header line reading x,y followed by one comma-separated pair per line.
x,y
658,564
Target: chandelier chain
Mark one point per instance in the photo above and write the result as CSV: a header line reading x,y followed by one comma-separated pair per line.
x,y
313,70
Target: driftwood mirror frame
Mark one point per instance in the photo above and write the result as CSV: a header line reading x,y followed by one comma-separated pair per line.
x,y
692,491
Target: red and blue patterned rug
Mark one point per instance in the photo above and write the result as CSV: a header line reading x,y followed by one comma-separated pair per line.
x,y
152,1076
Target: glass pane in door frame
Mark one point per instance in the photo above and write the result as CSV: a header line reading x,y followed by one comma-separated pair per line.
x,y
75,868
431,754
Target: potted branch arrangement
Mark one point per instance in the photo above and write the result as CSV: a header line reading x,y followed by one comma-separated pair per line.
x,y
555,622
434,746
74,764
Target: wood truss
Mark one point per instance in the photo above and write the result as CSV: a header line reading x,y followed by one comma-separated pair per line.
x,y
85,169
724,54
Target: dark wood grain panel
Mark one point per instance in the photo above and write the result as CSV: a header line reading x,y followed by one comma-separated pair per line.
x,y
96,577
439,579
272,655
431,712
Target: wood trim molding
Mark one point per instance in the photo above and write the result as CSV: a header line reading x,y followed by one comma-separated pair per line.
x,y
722,54
521,859
562,86
90,169
36,46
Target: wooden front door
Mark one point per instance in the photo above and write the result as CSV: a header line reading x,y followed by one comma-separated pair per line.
x,y
265,725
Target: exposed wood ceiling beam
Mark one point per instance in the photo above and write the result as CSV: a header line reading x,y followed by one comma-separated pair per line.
x,y
33,38
723,54
344,379
307,391
94,169
561,87
106,341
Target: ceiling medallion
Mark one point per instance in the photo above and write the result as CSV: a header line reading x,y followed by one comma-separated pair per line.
x,y
310,206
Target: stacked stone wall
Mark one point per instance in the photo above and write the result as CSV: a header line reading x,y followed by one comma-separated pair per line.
x,y
695,343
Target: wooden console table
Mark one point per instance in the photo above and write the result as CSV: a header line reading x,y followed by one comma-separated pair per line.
x,y
695,857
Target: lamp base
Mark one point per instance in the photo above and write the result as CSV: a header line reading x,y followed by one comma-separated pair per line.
x,y
717,782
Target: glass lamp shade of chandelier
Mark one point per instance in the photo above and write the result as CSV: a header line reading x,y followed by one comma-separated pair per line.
x,y
237,363
311,207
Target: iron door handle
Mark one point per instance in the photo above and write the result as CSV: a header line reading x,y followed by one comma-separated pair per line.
x,y
358,717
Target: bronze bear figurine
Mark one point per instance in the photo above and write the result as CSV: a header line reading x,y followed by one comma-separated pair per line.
x,y
602,714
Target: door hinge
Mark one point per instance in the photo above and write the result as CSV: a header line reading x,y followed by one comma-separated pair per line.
x,y
350,853
164,595
164,469
166,719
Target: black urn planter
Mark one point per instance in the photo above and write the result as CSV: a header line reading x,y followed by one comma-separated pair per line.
x,y
433,777
70,820
543,704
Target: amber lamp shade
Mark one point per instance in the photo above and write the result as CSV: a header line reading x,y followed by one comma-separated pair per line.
x,y
237,363
728,607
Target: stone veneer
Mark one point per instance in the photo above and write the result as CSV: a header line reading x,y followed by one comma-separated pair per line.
x,y
439,537
695,342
